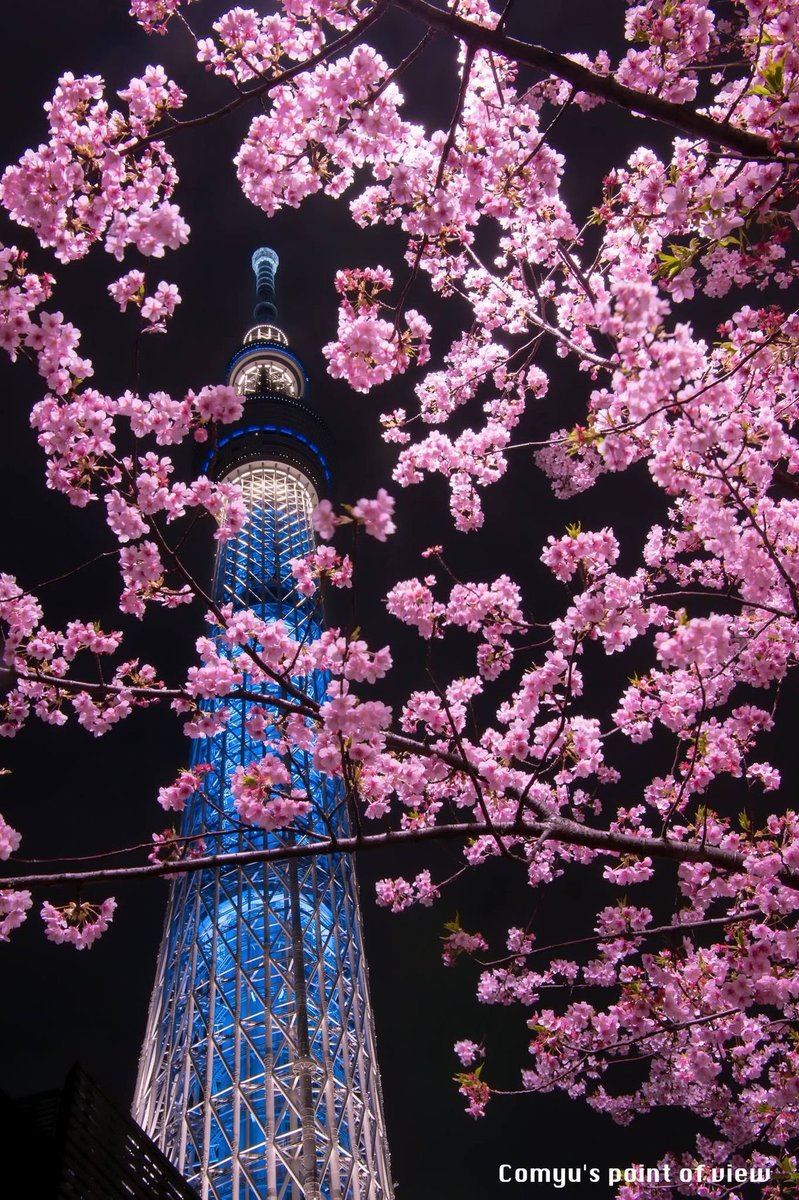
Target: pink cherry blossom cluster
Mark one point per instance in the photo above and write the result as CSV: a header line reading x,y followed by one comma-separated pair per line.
x,y
370,349
54,342
153,15
79,924
399,894
77,435
41,658
263,794
155,309
248,46
361,722
324,124
468,1052
474,458
14,905
591,553
323,564
458,942
673,44
374,515
476,1091
100,176
149,97
175,796
9,839
492,610
349,657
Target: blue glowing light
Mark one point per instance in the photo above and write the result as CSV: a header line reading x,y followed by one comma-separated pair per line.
x,y
258,1073
286,430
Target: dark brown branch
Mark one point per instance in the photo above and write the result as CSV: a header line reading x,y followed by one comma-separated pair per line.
x,y
89,562
557,830
456,116
678,116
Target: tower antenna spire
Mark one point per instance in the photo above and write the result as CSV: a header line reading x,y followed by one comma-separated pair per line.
x,y
264,264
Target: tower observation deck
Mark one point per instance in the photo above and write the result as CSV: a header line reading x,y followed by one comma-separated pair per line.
x,y
258,1076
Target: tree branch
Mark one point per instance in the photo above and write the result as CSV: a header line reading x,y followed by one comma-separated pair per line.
x,y
750,145
560,830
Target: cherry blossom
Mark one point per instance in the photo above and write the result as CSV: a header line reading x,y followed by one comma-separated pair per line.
x,y
9,839
175,796
14,905
94,178
80,924
468,1052
476,1091
399,894
128,288
263,794
376,515
154,15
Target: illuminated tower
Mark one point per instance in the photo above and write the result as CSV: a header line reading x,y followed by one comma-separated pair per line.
x,y
258,1075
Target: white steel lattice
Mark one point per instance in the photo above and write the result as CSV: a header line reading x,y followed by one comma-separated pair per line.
x,y
272,377
258,1075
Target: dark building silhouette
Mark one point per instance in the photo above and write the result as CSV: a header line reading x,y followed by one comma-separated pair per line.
x,y
75,1144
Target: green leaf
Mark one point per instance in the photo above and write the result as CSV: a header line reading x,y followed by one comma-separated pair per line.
x,y
773,76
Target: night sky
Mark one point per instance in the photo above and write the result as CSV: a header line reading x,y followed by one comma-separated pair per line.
x,y
70,793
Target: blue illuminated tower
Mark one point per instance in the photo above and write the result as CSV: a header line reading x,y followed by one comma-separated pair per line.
x,y
258,1075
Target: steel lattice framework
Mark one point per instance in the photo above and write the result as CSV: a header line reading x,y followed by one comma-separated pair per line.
x,y
258,1075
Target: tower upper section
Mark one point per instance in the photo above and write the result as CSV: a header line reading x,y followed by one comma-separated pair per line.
x,y
278,423
264,365
265,263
